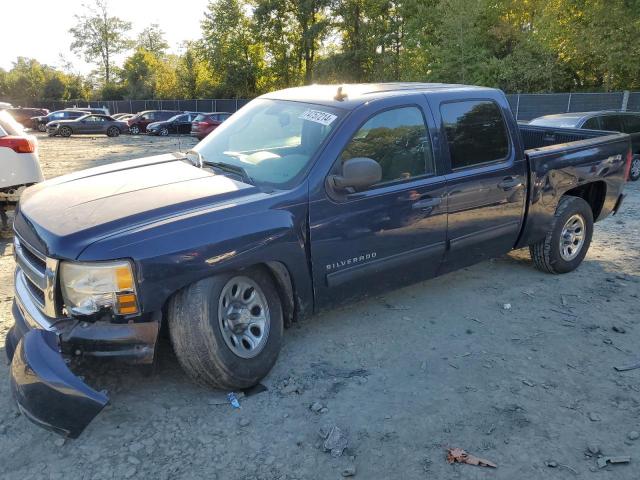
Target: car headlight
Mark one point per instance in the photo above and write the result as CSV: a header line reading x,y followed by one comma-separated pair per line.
x,y
88,288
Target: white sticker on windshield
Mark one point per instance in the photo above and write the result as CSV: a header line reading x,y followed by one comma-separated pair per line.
x,y
318,116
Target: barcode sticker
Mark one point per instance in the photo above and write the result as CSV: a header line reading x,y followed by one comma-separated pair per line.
x,y
318,116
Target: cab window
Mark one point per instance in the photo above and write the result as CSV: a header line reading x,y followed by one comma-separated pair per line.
x,y
476,133
631,124
398,140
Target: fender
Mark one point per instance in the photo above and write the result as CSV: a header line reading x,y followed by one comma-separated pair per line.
x,y
271,230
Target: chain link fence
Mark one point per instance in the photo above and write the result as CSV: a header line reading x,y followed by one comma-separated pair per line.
x,y
525,106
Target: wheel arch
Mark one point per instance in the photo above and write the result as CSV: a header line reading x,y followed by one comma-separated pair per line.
x,y
594,193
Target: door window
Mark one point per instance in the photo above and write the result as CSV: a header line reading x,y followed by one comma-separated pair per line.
x,y
611,123
398,140
94,119
476,133
592,124
631,124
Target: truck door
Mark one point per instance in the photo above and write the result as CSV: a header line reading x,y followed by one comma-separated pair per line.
x,y
486,181
392,232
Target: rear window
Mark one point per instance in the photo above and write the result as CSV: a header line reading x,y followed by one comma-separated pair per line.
x,y
476,132
611,123
631,124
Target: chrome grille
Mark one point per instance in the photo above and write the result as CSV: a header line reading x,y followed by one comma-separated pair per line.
x,y
40,273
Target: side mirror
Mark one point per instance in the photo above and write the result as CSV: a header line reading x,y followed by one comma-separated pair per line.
x,y
357,173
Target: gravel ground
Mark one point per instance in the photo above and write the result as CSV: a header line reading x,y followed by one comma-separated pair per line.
x,y
439,364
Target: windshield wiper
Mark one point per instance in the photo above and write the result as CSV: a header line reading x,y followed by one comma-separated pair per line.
x,y
227,167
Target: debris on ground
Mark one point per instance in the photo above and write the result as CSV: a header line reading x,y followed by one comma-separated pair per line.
x,y
349,472
316,407
633,435
233,400
603,461
594,417
618,329
460,456
625,368
335,440
506,306
552,463
593,449
221,398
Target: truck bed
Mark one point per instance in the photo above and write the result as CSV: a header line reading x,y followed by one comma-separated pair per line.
x,y
570,161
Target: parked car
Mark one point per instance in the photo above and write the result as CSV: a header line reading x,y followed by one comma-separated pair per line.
x,y
98,110
305,198
205,123
91,123
180,124
120,115
5,105
19,164
138,123
611,121
24,115
40,123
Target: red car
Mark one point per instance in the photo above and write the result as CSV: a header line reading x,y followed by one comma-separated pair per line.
x,y
138,123
205,123
23,115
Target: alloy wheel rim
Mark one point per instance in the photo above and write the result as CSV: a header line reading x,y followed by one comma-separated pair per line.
x,y
635,167
572,237
243,316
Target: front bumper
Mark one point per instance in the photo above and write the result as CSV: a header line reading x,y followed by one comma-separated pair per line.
x,y
46,390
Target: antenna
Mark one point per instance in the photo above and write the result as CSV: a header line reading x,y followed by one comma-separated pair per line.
x,y
340,96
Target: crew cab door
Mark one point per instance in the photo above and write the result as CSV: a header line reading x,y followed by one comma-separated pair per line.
x,y
392,232
486,179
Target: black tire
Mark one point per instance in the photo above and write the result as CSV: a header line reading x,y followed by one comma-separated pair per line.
x,y
65,131
164,131
134,129
197,335
546,254
634,171
113,132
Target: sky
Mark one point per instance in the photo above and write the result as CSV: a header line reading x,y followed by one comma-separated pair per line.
x,y
40,28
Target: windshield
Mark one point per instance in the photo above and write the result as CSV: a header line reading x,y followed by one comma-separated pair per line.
x,y
273,141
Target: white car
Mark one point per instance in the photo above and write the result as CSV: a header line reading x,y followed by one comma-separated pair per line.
x,y
19,164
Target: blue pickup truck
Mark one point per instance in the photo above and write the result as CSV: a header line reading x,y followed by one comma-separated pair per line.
x,y
305,198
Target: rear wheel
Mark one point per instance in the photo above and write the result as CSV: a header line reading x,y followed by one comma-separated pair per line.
x,y
42,127
164,131
634,171
567,242
227,330
65,131
134,130
113,132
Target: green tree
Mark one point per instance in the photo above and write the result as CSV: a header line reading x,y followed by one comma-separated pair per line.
x,y
139,74
152,39
25,81
229,47
100,36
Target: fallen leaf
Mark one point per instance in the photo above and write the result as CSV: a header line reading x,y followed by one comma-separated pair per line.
x,y
459,455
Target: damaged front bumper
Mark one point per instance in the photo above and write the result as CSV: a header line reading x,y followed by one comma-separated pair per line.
x,y
46,390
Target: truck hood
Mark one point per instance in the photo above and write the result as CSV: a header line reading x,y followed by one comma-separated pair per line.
x,y
62,216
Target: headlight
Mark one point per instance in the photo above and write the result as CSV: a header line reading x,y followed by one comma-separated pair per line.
x,y
88,288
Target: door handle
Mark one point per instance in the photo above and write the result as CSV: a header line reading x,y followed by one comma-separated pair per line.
x,y
427,205
509,183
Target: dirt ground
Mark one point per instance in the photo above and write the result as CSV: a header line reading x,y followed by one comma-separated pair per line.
x,y
440,364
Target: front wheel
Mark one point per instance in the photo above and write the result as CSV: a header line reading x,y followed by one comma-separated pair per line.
x,y
634,171
227,330
164,131
567,241
134,130
113,132
42,127
65,131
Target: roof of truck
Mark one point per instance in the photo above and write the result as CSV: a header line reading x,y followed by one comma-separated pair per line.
x,y
351,95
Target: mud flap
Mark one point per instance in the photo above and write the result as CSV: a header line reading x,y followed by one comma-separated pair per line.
x,y
46,391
